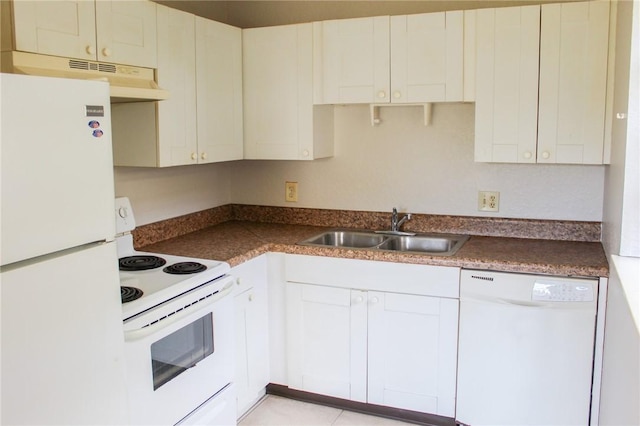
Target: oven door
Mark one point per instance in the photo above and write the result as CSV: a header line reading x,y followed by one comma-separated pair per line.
x,y
179,354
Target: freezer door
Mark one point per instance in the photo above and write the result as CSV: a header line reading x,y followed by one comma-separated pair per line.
x,y
56,165
62,340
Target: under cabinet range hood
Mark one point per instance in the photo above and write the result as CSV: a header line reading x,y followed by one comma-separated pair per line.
x,y
128,83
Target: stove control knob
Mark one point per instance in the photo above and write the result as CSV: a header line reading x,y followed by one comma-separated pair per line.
x,y
123,212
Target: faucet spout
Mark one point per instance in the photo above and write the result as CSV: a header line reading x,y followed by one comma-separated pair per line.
x,y
395,223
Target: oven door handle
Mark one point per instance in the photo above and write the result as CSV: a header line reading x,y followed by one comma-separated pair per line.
x,y
141,333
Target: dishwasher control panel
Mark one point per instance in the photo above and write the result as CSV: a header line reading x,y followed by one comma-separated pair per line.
x,y
557,291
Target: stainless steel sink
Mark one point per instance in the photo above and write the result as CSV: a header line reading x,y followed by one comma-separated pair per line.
x,y
432,244
425,244
351,239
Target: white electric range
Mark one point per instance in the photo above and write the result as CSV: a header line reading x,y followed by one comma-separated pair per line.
x,y
178,330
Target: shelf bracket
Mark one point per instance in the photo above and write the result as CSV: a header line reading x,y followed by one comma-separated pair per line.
x,y
374,111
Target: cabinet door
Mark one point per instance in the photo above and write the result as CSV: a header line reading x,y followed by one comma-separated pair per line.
x,y
355,60
327,340
252,333
573,77
59,28
219,86
252,347
507,57
177,136
412,352
278,90
426,57
126,32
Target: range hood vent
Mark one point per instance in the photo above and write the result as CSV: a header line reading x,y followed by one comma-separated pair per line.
x,y
128,83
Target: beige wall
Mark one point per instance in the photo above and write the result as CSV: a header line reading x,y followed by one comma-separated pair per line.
x,y
621,223
420,169
620,390
263,13
399,163
158,194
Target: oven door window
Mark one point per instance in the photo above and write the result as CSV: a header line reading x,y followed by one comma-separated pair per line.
x,y
181,350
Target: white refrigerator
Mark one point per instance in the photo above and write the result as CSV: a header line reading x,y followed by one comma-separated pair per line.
x,y
62,358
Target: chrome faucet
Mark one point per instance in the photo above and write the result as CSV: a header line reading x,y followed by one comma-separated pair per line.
x,y
395,223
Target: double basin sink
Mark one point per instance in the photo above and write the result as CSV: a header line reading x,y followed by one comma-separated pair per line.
x,y
431,244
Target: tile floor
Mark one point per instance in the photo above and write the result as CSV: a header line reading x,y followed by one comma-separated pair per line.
x,y
279,411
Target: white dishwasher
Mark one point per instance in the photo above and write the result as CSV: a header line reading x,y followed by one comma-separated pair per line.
x,y
526,345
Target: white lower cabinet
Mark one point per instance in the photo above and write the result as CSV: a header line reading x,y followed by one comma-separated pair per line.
x,y
327,340
412,348
370,332
252,332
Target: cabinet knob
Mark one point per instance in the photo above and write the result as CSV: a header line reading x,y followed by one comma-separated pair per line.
x,y
359,299
527,155
203,156
238,281
546,155
374,300
106,52
382,94
89,50
251,297
194,156
305,153
397,94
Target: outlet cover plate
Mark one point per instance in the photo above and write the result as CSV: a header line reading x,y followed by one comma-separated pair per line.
x,y
488,201
291,191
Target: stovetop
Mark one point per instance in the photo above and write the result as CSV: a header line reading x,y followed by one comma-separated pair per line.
x,y
158,286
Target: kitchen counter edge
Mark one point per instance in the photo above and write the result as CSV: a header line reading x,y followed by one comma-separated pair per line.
x,y
236,242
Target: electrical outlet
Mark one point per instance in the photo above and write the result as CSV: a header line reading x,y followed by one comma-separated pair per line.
x,y
488,201
291,191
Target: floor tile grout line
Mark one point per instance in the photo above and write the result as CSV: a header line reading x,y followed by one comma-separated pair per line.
x,y
337,417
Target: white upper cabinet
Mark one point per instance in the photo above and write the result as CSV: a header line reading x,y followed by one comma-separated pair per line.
x,y
122,32
219,86
506,83
56,28
427,57
280,120
540,82
177,124
200,64
573,82
398,59
355,60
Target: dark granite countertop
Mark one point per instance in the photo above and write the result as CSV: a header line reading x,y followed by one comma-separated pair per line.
x,y
238,241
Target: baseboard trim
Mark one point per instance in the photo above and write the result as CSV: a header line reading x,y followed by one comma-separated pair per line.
x,y
360,407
